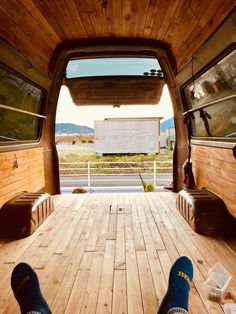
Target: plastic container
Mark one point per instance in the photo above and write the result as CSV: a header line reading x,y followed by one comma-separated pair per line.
x,y
229,308
217,283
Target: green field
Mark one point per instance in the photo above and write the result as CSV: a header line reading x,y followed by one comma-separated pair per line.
x,y
164,161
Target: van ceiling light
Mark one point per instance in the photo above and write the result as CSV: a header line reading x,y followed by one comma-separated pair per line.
x,y
153,72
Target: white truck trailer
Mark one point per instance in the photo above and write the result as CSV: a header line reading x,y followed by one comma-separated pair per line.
x,y
127,136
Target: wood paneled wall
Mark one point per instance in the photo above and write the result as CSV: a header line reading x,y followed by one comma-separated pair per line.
x,y
21,170
215,169
36,27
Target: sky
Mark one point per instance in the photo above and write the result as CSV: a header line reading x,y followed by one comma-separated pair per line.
x,y
67,112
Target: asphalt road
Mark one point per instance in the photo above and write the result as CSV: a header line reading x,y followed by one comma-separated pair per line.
x,y
112,183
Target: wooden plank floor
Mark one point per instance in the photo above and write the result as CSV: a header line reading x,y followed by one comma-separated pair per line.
x,y
111,253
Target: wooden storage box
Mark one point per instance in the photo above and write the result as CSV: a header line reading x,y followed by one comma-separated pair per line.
x,y
204,211
21,215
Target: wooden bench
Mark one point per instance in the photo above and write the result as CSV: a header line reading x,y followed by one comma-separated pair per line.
x,y
21,215
205,212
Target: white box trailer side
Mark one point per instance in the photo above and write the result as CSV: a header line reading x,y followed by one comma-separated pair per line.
x,y
127,136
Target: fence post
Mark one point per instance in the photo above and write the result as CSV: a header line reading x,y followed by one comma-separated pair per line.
x,y
88,173
154,173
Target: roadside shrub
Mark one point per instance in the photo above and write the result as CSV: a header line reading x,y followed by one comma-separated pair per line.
x,y
149,187
83,141
90,141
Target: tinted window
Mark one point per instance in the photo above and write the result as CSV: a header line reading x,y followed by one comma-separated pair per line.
x,y
16,126
19,102
215,121
218,82
211,100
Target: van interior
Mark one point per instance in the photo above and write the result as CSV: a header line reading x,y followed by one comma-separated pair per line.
x,y
112,252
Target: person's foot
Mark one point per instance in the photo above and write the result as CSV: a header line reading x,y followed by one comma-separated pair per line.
x,y
176,297
26,289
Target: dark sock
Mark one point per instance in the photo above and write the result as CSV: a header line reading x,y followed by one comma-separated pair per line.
x,y
176,297
26,289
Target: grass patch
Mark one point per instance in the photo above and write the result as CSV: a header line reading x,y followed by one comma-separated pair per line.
x,y
164,162
149,187
83,156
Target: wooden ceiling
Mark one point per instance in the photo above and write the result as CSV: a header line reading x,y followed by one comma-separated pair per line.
x,y
37,27
115,90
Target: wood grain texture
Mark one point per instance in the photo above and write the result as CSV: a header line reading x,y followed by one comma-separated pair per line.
x,y
37,27
20,171
75,280
215,169
115,90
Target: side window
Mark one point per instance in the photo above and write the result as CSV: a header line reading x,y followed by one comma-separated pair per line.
x,y
20,108
211,100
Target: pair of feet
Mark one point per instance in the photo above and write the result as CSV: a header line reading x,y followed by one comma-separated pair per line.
x,y
26,289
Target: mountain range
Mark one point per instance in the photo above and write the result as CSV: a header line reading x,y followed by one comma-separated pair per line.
x,y
167,124
71,128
